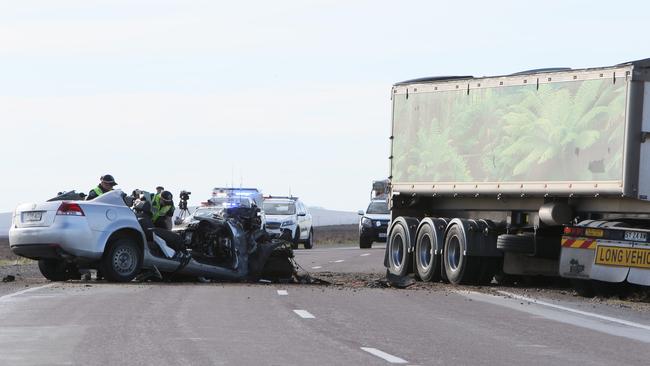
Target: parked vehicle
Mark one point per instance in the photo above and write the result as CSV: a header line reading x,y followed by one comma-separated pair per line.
x,y
289,213
66,234
542,172
373,223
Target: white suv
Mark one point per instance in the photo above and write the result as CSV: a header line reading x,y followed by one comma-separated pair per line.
x,y
289,214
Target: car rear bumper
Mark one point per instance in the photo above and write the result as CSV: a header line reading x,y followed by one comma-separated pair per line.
x,y
54,242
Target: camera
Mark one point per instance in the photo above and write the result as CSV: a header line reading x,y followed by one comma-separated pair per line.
x,y
185,195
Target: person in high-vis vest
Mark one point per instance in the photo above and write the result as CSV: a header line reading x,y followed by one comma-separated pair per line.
x,y
162,210
106,184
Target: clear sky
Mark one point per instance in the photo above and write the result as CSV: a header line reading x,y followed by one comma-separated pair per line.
x,y
277,95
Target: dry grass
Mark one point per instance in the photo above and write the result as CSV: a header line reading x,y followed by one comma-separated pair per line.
x,y
5,251
336,234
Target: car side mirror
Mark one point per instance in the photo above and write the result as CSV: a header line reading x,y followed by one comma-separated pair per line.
x,y
360,212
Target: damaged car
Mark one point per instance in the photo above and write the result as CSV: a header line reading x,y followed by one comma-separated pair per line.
x,y
66,235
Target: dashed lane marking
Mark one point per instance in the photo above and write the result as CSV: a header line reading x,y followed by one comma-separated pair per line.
x,y
316,267
339,261
383,355
585,313
18,293
283,292
304,314
365,254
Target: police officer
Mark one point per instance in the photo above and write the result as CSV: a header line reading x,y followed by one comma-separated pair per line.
x,y
106,184
162,210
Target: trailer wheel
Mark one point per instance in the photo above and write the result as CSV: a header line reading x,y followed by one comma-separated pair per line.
x,y
427,263
459,267
399,259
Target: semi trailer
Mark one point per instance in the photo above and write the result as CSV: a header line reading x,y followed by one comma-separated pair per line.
x,y
543,172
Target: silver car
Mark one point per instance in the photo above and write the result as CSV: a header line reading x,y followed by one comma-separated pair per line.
x,y
105,234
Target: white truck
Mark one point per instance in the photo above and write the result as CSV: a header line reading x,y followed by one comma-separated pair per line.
x,y
544,172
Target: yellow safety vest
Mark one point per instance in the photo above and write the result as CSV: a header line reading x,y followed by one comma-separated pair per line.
x,y
157,210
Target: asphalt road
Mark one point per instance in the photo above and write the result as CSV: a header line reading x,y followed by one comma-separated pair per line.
x,y
93,323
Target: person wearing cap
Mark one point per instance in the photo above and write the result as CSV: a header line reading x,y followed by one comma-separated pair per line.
x,y
162,209
106,183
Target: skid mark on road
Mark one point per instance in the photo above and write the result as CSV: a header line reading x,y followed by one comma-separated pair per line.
x,y
383,355
304,314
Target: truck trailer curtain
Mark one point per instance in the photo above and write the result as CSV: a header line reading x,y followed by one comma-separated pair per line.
x,y
565,131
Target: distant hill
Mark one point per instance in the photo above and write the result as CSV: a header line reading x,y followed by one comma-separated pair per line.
x,y
321,217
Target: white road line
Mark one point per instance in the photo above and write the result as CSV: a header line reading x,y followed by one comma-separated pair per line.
x,y
338,261
304,314
585,313
283,292
381,354
18,293
365,254
316,267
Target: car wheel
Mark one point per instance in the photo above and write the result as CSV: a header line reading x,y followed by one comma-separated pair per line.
x,y
309,243
57,270
122,260
365,243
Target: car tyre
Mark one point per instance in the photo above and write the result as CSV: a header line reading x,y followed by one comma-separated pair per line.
x,y
57,270
122,260
365,243
309,242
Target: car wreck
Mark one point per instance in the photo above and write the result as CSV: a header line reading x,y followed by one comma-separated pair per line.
x,y
67,235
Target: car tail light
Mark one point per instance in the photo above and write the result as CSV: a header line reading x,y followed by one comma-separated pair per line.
x,y
70,209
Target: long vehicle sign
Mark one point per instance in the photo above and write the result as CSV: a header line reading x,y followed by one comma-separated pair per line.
x,y
623,257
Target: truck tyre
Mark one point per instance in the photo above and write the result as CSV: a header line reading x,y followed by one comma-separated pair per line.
x,y
427,263
57,270
365,243
524,244
459,267
399,242
309,242
122,260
